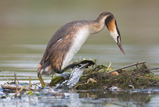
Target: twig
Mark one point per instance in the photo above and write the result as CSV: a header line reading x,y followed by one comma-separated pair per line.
x,y
108,66
34,90
5,77
29,83
22,88
146,70
36,83
151,69
13,87
16,78
142,62
20,91
16,90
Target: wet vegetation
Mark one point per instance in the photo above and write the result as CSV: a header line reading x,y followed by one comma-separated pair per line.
x,y
101,77
125,79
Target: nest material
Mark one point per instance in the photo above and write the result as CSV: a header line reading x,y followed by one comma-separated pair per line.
x,y
98,77
138,78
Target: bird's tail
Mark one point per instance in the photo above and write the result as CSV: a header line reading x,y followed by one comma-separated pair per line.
x,y
43,71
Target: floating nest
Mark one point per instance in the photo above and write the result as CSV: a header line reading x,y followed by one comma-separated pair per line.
x,y
102,77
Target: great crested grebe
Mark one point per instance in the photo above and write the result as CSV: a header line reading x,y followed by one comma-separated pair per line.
x,y
68,39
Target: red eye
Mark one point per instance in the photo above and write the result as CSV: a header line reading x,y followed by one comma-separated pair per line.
x,y
118,37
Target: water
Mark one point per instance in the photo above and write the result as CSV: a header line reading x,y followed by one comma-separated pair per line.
x,y
75,75
148,98
25,64
27,26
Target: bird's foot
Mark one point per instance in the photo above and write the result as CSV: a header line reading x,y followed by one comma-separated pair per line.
x,y
65,76
41,81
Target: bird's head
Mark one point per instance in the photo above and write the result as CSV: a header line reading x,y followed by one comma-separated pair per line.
x,y
111,24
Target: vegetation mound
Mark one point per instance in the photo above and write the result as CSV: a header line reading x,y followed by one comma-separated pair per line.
x,y
102,77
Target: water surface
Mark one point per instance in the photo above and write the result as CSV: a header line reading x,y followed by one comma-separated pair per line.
x,y
25,65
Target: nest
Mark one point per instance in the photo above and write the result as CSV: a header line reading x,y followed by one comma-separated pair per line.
x,y
102,77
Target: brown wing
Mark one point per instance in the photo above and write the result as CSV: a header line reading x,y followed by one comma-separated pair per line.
x,y
59,45
57,48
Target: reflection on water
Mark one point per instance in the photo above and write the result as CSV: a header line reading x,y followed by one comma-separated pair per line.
x,y
148,98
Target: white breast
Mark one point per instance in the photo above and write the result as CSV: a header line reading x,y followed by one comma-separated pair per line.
x,y
80,37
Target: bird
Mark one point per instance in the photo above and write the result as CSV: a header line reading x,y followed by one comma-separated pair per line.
x,y
68,39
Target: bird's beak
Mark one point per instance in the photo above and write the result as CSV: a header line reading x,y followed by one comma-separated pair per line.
x,y
121,48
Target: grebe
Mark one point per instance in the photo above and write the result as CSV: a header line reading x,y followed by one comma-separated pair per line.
x,y
68,39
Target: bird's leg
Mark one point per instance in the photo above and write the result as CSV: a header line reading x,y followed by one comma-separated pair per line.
x,y
52,76
65,76
76,64
71,65
41,81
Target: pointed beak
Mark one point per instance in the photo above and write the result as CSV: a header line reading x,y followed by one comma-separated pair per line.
x,y
121,48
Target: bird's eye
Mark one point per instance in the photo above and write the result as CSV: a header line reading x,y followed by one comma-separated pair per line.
x,y
118,38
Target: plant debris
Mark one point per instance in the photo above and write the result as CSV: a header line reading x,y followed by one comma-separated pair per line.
x,y
102,77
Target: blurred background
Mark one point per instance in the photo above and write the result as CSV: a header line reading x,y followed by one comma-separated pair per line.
x,y
27,26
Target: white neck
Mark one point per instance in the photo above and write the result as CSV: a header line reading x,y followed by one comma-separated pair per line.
x,y
97,25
